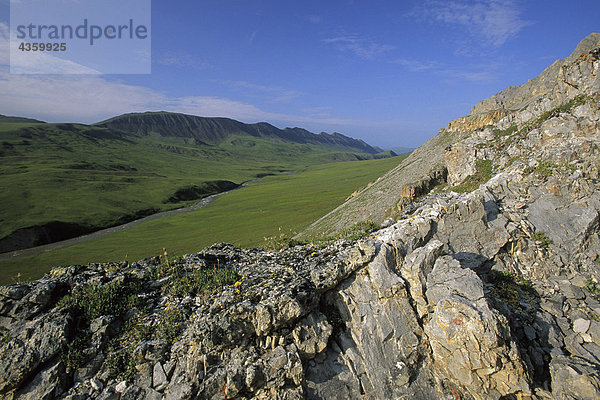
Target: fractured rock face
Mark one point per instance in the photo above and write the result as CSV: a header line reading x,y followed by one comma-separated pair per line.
x,y
311,335
470,341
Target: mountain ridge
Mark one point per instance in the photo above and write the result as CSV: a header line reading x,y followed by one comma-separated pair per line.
x,y
214,129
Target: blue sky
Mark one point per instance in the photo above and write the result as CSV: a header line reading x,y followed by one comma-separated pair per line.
x,y
389,72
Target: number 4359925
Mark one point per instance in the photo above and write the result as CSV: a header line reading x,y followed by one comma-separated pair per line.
x,y
24,46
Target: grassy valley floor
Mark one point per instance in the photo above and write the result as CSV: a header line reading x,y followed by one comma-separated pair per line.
x,y
274,205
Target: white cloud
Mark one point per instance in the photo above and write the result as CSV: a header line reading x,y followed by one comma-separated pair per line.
x,y
493,21
44,63
361,47
71,98
484,73
89,98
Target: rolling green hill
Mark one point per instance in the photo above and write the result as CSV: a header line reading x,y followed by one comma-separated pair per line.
x,y
62,180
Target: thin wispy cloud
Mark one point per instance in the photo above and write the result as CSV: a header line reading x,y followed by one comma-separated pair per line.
x,y
315,19
252,36
361,47
482,76
183,60
273,94
318,112
476,74
416,65
491,21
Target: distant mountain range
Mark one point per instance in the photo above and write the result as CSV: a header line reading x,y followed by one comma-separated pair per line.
x,y
206,130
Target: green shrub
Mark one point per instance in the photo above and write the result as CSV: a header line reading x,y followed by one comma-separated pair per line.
x,y
5,337
593,288
113,298
170,324
542,239
511,289
120,363
191,283
74,354
498,133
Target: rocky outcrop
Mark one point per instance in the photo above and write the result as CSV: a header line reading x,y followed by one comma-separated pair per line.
x,y
503,113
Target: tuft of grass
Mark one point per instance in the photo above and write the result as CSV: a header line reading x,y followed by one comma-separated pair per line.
x,y
170,324
498,133
357,231
546,168
593,288
563,108
472,182
184,283
281,241
541,239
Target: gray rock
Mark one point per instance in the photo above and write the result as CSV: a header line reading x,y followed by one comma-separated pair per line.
x,y
159,378
151,350
178,391
470,342
44,385
570,291
574,377
311,335
96,384
42,339
415,269
121,386
581,325
594,331
109,394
